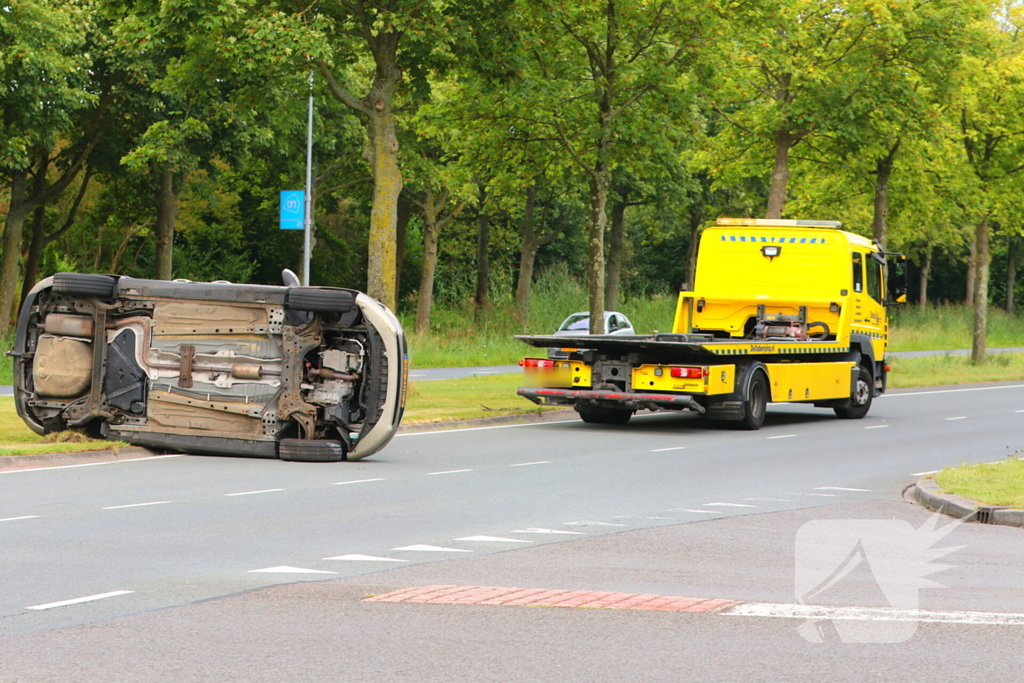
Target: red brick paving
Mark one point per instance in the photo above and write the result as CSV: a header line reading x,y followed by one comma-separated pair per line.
x,y
535,597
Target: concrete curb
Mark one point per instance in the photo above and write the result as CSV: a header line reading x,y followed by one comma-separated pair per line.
x,y
518,418
927,493
29,462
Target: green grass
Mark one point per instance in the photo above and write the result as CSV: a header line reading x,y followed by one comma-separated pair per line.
x,y
942,370
949,327
998,484
466,399
17,439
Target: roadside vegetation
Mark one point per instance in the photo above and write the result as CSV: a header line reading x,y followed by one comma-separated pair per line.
x,y
992,484
17,439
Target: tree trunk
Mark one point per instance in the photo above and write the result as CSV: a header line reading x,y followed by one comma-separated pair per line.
x,y
883,171
13,226
972,271
481,302
527,258
614,266
37,239
784,141
1011,272
981,293
926,270
426,293
599,184
381,267
166,213
401,228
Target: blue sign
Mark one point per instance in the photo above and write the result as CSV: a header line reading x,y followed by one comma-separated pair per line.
x,y
293,209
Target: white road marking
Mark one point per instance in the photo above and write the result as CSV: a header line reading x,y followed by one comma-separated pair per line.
x,y
922,474
951,391
285,569
839,488
76,601
962,417
537,530
729,505
877,427
776,500
784,611
492,539
703,512
90,464
15,519
355,481
252,493
1019,411
424,548
365,558
448,472
480,429
821,495
783,436
589,523
661,450
137,505
527,464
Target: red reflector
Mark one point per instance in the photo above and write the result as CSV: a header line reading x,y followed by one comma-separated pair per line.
x,y
687,373
537,363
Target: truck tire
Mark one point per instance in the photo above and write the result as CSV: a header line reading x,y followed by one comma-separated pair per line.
x,y
84,284
310,450
317,300
604,416
859,403
756,404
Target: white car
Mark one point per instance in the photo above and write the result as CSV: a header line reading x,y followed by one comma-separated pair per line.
x,y
579,323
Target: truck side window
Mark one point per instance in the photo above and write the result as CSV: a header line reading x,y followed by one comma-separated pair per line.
x,y
858,272
875,280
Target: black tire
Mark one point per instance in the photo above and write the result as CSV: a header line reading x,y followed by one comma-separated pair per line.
x,y
604,416
859,403
319,300
84,284
310,450
756,404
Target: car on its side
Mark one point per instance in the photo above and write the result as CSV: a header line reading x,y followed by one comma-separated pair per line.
x,y
300,373
579,323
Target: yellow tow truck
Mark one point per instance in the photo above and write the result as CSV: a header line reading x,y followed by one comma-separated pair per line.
x,y
790,311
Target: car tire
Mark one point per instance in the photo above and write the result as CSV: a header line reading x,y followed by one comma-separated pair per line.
x,y
310,450
317,300
859,403
756,404
84,284
604,416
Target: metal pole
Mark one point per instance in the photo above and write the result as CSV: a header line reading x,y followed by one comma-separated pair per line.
x,y
307,223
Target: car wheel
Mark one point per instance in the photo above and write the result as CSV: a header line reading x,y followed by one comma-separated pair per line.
x,y
859,403
756,404
84,284
319,300
310,450
604,416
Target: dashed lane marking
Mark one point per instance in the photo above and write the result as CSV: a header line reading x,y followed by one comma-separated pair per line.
x,y
492,539
285,569
137,505
424,548
774,500
77,601
962,417
589,523
922,474
784,611
538,530
783,436
703,512
729,505
821,495
448,472
365,558
15,519
527,464
538,597
253,493
673,448
877,427
840,488
355,481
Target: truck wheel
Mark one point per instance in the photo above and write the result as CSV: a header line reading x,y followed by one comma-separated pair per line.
x,y
310,450
84,284
859,403
604,416
756,404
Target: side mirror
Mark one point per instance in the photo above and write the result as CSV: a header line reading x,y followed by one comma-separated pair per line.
x,y
290,278
896,278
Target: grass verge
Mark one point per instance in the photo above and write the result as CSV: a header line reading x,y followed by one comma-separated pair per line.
x,y
996,484
467,399
17,439
942,370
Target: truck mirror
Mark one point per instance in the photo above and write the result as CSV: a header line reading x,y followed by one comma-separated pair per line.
x,y
897,279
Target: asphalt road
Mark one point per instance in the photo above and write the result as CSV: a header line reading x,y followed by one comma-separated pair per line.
x,y
588,508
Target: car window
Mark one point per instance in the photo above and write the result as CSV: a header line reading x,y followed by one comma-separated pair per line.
x,y
613,323
576,322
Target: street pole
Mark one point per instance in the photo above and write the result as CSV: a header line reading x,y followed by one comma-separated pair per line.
x,y
307,223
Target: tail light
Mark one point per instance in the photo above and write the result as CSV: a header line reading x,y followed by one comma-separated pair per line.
x,y
690,373
537,363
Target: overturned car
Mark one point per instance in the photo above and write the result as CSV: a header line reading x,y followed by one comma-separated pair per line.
x,y
300,373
